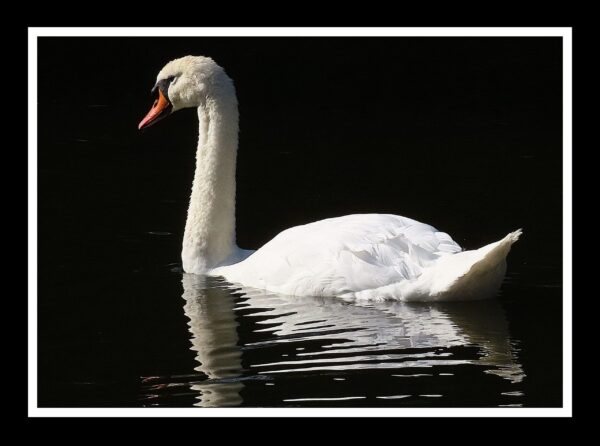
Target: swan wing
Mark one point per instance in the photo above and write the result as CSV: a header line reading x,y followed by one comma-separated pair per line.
x,y
342,255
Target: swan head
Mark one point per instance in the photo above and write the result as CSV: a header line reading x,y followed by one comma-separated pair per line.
x,y
186,82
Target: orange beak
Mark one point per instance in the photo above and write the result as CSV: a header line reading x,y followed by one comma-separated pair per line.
x,y
159,110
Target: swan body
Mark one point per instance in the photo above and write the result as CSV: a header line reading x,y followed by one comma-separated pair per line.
x,y
372,256
362,256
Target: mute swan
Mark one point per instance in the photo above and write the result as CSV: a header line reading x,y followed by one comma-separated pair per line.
x,y
363,256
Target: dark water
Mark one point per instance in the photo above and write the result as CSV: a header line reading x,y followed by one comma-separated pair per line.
x,y
463,134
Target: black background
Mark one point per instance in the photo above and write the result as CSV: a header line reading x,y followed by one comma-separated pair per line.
x,y
461,133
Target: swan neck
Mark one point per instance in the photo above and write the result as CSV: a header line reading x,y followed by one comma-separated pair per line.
x,y
209,238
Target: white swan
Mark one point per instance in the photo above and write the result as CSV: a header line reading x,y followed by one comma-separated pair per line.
x,y
365,256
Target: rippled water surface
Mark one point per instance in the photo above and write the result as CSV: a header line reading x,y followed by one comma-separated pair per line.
x,y
463,134
208,343
259,348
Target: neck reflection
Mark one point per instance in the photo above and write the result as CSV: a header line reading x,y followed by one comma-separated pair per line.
x,y
214,339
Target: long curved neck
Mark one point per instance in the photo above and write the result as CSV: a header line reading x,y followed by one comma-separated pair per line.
x,y
209,238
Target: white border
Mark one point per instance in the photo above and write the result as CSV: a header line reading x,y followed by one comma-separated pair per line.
x,y
565,411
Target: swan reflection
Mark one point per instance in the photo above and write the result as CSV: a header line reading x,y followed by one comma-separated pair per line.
x,y
214,339
285,335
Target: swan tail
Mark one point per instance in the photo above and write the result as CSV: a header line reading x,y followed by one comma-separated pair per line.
x,y
472,275
467,275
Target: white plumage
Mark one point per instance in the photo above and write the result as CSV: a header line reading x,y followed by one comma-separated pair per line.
x,y
364,256
372,256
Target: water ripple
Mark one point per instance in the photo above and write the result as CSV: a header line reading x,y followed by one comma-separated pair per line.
x,y
246,337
